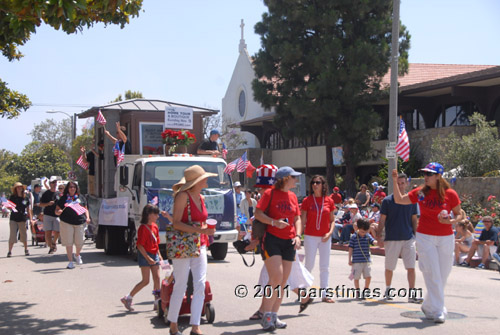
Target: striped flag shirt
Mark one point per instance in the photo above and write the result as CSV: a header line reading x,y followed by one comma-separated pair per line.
x,y
100,118
403,146
242,164
84,165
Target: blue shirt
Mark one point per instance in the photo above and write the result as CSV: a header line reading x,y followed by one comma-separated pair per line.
x,y
489,235
398,226
238,196
361,249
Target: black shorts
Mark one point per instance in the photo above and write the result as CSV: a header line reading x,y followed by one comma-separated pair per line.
x,y
275,246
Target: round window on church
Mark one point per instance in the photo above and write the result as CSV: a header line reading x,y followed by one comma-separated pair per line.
x,y
242,104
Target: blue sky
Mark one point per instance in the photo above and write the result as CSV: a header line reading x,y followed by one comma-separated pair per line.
x,y
185,52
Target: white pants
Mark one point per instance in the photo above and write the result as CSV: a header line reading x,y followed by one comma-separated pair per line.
x,y
198,267
311,245
435,260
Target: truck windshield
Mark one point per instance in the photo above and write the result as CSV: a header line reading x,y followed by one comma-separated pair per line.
x,y
166,174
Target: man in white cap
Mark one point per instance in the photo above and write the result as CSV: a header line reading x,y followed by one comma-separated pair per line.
x,y
238,195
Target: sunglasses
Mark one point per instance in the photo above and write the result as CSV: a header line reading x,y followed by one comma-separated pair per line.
x,y
316,182
429,174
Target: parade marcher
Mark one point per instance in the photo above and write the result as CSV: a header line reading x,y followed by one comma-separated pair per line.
x,y
18,217
73,215
318,216
189,216
51,225
400,222
435,238
148,256
281,240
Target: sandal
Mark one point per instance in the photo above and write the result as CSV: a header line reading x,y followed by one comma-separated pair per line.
x,y
256,316
304,305
328,300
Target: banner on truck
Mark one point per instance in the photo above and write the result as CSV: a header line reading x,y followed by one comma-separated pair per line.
x,y
178,117
114,212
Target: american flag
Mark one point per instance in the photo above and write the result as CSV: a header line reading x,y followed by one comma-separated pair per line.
x,y
100,118
10,204
231,166
82,163
242,164
403,146
224,150
119,154
79,209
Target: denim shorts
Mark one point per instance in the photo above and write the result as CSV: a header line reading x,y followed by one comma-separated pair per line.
x,y
143,262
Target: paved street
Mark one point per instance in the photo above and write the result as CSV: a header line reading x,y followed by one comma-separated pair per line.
x,y
38,295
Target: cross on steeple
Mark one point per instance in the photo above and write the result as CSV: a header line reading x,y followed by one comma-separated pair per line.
x,y
242,47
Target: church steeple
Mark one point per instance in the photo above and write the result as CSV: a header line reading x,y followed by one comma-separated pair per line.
x,y
243,46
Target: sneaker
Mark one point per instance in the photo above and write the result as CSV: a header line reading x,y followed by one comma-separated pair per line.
x,y
278,324
51,251
127,303
9,254
26,252
440,318
71,265
78,260
414,300
465,264
155,304
497,257
481,266
387,295
268,322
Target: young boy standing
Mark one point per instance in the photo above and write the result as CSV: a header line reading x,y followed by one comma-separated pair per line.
x,y
359,256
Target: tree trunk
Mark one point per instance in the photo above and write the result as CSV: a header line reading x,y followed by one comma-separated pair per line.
x,y
350,166
330,169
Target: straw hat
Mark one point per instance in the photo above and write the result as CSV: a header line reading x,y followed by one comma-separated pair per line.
x,y
192,175
13,189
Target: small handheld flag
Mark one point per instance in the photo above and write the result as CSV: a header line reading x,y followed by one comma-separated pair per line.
x,y
79,209
80,162
100,118
224,151
9,204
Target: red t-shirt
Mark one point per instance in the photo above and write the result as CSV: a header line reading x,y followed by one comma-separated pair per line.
x,y
317,225
379,196
430,207
283,205
337,198
197,216
146,239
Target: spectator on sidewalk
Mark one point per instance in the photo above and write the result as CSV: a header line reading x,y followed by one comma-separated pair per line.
x,y
488,237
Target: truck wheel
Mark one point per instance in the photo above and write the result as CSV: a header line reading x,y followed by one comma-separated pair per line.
x,y
99,239
218,251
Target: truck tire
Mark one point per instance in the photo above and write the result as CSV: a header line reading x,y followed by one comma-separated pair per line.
x,y
218,251
99,239
115,241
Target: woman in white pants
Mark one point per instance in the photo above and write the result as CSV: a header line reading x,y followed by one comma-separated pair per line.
x,y
188,198
317,212
435,239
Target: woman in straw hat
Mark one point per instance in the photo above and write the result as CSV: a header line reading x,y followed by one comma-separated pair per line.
x,y
18,217
187,193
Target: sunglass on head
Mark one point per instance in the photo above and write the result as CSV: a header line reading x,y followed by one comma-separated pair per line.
x,y
316,182
429,174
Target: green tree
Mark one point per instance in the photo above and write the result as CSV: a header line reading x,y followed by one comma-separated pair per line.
x,y
7,175
129,95
46,161
320,68
473,155
57,133
19,19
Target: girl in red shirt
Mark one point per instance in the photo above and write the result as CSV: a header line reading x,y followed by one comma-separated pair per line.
x,y
435,239
317,213
148,256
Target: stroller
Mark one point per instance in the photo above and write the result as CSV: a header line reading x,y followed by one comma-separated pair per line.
x,y
167,287
37,232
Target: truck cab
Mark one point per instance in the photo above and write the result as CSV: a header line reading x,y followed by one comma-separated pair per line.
x,y
142,178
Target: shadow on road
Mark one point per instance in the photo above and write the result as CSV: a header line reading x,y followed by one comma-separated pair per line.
x,y
14,321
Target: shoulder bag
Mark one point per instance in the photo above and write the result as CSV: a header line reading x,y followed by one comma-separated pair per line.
x,y
259,228
181,244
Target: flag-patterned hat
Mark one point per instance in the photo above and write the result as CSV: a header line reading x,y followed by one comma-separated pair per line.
x,y
266,176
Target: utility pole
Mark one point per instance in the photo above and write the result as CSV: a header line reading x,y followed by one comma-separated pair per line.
x,y
393,98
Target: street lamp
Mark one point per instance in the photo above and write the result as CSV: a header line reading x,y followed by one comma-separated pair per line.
x,y
73,128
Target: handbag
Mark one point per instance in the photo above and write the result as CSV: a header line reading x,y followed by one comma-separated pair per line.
x,y
181,244
259,228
